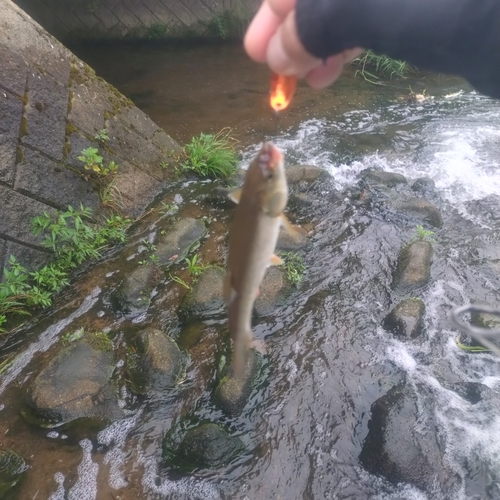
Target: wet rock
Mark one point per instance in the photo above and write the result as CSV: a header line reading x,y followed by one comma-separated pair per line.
x,y
485,320
307,173
406,319
232,393
421,209
181,238
389,179
301,200
287,241
12,469
205,298
76,384
470,391
414,265
134,294
206,446
220,196
155,363
424,186
399,447
273,291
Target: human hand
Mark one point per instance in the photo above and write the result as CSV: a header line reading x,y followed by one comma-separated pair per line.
x,y
272,38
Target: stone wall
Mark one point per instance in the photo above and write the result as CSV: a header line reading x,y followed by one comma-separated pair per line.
x,y
51,106
78,20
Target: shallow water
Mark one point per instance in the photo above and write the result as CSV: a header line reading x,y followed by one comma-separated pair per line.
x,y
329,359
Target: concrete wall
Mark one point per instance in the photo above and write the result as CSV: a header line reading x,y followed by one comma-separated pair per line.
x,y
78,20
51,106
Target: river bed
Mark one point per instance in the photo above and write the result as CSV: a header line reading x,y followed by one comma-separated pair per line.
x,y
329,358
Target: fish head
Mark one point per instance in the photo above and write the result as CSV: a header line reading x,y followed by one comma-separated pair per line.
x,y
266,179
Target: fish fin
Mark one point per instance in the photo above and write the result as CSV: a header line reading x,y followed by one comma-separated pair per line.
x,y
275,260
289,227
241,349
235,196
228,292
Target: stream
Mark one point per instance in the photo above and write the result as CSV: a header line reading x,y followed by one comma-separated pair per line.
x,y
328,357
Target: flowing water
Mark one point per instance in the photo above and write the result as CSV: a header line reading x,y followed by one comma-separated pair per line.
x,y
328,359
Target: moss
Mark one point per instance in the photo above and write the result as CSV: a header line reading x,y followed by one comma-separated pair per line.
x,y
98,341
24,127
70,128
19,154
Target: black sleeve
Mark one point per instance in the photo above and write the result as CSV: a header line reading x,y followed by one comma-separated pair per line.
x,y
450,36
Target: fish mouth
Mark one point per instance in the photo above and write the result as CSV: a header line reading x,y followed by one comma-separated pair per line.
x,y
270,158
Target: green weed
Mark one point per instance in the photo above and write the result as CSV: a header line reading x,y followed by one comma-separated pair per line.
x,y
168,208
180,281
424,234
294,266
94,162
102,135
72,241
150,249
374,67
212,155
194,267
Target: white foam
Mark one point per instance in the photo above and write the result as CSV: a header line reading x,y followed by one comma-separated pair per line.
x,y
189,488
116,435
85,487
59,494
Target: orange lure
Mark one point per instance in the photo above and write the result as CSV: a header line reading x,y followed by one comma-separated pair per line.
x,y
282,90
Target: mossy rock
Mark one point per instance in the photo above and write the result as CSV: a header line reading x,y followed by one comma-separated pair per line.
x,y
76,385
155,362
205,446
232,393
414,266
406,319
12,469
205,299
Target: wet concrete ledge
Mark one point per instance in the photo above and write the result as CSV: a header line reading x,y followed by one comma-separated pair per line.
x,y
93,20
51,106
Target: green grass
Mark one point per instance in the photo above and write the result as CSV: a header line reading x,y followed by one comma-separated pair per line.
x,y
424,234
294,266
73,241
373,67
212,155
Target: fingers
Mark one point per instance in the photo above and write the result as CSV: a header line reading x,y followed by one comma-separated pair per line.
x,y
261,29
286,54
327,73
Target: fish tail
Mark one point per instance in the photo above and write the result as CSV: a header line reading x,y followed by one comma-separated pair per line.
x,y
240,355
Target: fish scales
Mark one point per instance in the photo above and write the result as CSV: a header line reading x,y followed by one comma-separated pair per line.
x,y
253,239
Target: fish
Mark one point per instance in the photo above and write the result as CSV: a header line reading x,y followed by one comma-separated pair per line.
x,y
282,91
252,242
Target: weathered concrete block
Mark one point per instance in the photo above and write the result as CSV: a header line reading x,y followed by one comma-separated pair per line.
x,y
76,143
27,256
3,253
17,212
49,181
11,109
137,187
89,100
13,71
46,112
131,146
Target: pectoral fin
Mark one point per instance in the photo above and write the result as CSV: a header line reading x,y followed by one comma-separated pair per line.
x,y
289,227
235,196
228,292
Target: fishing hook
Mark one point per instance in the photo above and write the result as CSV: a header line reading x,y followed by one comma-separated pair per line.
x,y
480,334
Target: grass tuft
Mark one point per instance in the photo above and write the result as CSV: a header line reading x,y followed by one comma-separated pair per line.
x,y
374,67
212,155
